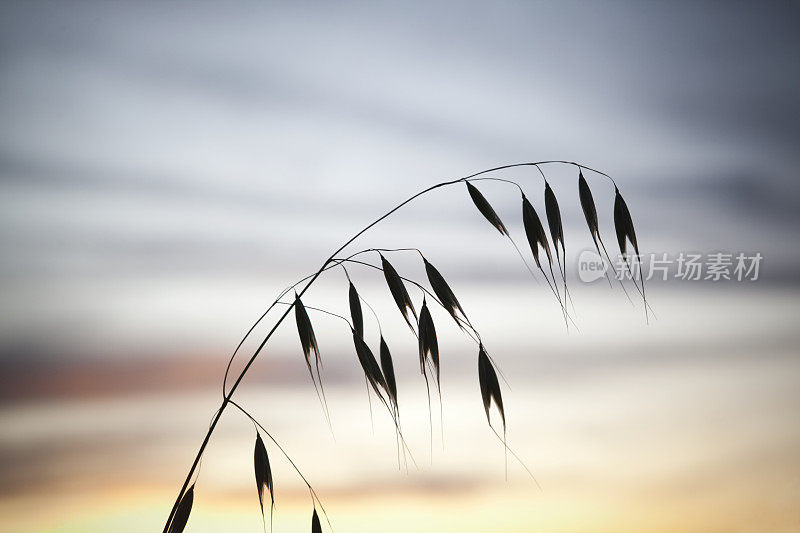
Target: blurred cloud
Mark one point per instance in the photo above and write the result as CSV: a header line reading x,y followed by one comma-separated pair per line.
x,y
265,111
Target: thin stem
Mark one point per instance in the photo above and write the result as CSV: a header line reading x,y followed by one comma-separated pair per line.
x,y
369,401
374,314
542,173
346,273
575,165
320,311
393,250
498,179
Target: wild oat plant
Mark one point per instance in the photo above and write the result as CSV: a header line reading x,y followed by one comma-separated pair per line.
x,y
379,372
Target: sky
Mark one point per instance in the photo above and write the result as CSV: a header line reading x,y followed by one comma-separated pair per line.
x,y
167,168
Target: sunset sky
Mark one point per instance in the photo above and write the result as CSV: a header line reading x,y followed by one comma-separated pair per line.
x,y
167,168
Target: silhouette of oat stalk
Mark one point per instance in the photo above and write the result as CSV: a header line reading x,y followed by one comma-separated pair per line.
x,y
380,376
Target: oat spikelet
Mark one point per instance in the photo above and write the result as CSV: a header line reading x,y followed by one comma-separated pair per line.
x,y
370,366
535,233
388,371
554,219
623,225
355,311
589,209
590,213
182,512
490,386
428,344
398,290
445,294
557,235
537,238
308,341
316,527
485,208
263,474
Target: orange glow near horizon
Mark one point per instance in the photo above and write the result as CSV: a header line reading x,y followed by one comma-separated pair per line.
x,y
662,445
